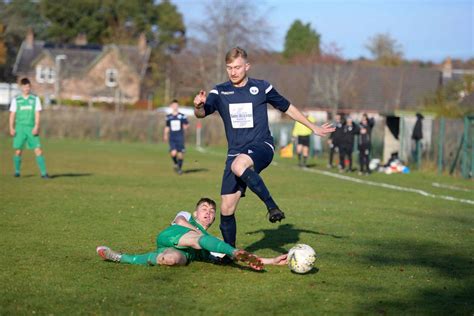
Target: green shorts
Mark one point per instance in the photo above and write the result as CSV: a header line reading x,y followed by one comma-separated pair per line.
x,y
23,134
169,238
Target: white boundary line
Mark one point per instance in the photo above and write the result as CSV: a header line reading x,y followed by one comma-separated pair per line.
x,y
373,183
389,186
446,186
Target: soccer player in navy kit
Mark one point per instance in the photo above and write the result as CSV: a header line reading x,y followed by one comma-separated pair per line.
x,y
242,105
176,125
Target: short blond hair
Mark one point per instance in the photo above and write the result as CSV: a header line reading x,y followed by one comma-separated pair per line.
x,y
235,53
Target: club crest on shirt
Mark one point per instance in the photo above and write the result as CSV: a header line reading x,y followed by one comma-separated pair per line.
x,y
253,90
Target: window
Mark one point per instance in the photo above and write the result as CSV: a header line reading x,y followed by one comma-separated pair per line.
x,y
111,77
45,74
50,75
39,74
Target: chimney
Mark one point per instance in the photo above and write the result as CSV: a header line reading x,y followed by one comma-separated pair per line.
x,y
81,39
142,45
447,69
30,39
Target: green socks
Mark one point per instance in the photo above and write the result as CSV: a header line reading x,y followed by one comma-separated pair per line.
x,y
41,164
211,243
17,163
144,259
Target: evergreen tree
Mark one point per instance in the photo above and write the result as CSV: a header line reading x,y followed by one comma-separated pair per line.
x,y
301,40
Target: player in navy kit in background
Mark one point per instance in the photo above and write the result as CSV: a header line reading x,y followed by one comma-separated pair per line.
x,y
176,124
242,105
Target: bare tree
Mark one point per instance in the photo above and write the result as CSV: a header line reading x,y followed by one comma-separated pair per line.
x,y
331,78
229,23
385,49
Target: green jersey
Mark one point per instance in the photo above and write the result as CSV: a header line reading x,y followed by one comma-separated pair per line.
x,y
25,109
171,236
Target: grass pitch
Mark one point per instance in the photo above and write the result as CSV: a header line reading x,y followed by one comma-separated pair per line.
x,y
380,251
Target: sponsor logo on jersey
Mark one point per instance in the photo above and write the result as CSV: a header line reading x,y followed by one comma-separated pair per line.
x,y
26,107
253,90
227,92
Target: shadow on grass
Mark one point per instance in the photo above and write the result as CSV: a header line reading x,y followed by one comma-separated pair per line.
x,y
195,170
276,239
60,175
440,260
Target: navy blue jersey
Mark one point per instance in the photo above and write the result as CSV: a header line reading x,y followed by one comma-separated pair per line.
x,y
176,125
244,111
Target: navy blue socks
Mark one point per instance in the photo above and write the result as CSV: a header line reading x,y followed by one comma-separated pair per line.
x,y
255,183
228,228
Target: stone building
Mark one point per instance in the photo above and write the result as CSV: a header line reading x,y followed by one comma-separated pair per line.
x,y
82,71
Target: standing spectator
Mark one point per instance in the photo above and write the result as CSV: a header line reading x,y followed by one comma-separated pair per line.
x,y
368,122
350,129
176,124
364,149
24,127
417,136
334,140
303,133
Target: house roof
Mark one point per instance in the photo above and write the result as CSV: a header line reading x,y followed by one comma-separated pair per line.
x,y
79,58
351,86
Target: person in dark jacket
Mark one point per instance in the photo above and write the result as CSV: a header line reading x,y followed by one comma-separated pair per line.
x,y
334,140
364,149
350,129
417,136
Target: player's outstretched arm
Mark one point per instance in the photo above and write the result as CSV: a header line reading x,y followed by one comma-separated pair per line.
x,y
182,221
277,261
296,115
199,101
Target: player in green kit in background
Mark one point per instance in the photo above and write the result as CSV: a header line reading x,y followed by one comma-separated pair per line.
x,y
24,127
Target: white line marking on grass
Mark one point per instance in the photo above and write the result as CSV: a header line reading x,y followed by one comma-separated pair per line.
x,y
390,186
446,186
377,184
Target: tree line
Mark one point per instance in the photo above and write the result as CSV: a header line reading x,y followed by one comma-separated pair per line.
x,y
224,24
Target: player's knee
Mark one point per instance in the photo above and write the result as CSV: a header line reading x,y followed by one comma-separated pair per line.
x,y
170,259
238,167
18,152
38,152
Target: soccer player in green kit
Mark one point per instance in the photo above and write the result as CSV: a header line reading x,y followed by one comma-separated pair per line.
x,y
24,127
187,240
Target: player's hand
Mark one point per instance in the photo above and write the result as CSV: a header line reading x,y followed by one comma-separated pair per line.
x,y
12,132
200,99
324,129
35,131
281,260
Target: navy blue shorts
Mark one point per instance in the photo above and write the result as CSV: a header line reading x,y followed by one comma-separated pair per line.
x,y
177,145
261,154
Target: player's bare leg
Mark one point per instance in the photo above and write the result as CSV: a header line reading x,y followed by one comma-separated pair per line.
x,y
171,257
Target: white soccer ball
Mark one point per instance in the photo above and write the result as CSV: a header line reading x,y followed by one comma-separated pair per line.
x,y
301,258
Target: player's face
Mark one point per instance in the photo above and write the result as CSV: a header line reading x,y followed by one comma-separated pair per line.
x,y
237,71
205,214
25,89
174,107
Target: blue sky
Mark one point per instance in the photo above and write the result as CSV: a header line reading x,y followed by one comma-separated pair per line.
x,y
426,29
